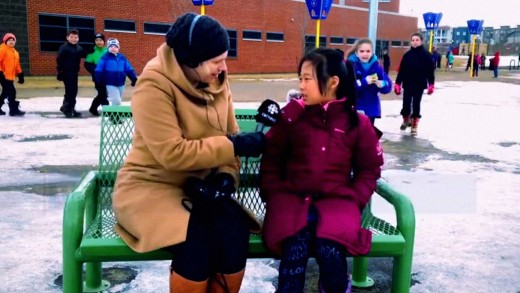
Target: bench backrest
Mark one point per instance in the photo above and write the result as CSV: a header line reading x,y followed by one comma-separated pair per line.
x,y
117,128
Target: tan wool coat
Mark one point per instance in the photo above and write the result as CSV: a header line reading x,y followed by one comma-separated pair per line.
x,y
180,131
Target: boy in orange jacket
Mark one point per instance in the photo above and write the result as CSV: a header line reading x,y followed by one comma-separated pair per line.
x,y
9,69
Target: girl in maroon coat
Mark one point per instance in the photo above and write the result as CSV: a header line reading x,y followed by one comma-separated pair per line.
x,y
317,174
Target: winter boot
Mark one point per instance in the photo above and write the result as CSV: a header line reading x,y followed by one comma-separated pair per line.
x,y
66,111
406,122
223,283
14,109
179,284
94,106
76,114
415,124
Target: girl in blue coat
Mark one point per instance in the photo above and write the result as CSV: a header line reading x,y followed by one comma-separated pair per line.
x,y
370,78
112,70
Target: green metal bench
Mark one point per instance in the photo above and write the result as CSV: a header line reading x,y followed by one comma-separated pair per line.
x,y
89,237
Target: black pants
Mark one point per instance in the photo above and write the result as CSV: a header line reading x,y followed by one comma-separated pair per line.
x,y
70,80
216,242
412,102
102,97
475,70
8,92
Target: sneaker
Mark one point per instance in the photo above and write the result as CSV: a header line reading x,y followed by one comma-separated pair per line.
x,y
66,112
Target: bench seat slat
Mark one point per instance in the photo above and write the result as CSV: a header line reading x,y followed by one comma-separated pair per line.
x,y
114,249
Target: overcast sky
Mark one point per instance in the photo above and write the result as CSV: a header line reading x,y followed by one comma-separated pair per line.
x,y
458,12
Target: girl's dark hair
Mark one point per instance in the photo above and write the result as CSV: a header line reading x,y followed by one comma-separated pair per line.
x,y
328,63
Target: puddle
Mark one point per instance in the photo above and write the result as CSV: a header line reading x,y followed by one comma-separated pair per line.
x,y
507,144
118,276
6,136
49,137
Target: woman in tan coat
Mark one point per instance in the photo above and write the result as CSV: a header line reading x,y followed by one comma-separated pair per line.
x,y
173,192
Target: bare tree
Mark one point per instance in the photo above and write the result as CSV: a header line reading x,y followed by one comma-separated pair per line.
x,y
302,19
178,8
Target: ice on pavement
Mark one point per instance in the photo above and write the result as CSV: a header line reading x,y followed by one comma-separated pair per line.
x,y
466,249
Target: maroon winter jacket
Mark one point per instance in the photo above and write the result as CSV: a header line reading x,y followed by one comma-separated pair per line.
x,y
310,156
497,59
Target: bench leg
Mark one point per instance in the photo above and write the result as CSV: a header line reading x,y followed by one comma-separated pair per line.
x,y
72,276
93,278
359,273
402,274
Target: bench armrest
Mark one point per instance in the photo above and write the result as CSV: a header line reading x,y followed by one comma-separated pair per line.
x,y
404,211
74,212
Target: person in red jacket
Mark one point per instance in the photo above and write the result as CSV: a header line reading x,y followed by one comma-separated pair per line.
x,y
319,170
10,69
496,61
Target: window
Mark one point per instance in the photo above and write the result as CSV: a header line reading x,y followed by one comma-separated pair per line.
x,y
380,45
252,35
458,33
120,25
156,28
274,37
406,43
336,40
232,34
395,43
351,41
53,31
310,42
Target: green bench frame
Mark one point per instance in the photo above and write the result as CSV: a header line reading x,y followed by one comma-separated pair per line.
x,y
89,238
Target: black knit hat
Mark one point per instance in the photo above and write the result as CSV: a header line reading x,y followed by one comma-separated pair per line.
x,y
99,36
196,38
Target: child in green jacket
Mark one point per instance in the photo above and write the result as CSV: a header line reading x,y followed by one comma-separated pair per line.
x,y
90,63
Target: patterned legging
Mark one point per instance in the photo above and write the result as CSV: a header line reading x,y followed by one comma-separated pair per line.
x,y
330,256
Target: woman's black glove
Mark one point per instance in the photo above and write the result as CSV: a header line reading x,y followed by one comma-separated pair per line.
x,y
250,144
198,191
222,183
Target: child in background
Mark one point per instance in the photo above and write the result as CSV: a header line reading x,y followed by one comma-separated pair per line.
x,y
112,70
370,78
68,61
2,95
386,61
90,63
451,58
313,206
10,69
476,64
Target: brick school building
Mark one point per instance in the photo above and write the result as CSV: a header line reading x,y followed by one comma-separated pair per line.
x,y
266,36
